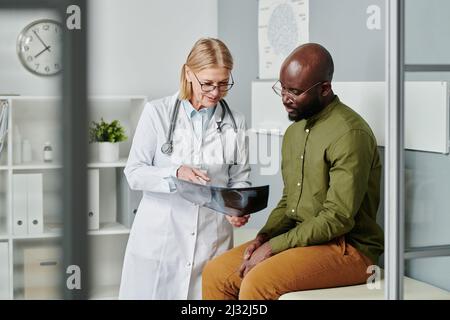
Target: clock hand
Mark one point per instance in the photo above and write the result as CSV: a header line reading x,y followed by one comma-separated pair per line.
x,y
41,40
42,51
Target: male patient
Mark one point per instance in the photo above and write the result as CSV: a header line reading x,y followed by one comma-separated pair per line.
x,y
323,232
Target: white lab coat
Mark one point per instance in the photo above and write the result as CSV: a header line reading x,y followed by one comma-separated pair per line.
x,y
172,239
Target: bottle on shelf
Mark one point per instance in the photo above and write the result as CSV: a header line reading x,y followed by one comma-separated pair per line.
x,y
48,152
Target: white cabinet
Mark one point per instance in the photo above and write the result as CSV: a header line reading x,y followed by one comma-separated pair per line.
x,y
28,253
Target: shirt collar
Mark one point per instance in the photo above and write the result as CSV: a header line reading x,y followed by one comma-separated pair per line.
x,y
191,111
322,113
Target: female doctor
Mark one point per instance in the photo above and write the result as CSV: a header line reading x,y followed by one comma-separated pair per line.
x,y
194,136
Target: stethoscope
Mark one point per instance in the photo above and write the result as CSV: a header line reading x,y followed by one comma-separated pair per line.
x,y
167,147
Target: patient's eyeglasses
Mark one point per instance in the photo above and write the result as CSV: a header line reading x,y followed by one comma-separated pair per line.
x,y
293,93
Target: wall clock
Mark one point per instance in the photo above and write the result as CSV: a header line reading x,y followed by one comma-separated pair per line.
x,y
39,47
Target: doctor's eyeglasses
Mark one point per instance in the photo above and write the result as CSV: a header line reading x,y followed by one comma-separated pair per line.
x,y
293,93
208,87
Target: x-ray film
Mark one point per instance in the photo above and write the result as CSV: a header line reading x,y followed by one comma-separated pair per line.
x,y
231,201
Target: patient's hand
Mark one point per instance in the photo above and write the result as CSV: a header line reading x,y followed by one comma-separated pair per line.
x,y
255,244
238,221
263,252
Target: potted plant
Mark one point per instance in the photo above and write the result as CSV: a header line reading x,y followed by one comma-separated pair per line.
x,y
108,136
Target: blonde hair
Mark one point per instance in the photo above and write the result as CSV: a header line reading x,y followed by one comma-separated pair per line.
x,y
206,53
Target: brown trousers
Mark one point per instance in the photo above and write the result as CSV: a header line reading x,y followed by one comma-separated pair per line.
x,y
333,264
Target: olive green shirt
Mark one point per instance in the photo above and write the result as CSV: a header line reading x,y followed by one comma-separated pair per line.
x,y
331,172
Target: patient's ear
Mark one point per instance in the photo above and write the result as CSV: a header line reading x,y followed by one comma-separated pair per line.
x,y
326,88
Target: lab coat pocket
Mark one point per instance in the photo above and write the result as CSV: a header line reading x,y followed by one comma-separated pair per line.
x,y
207,230
150,227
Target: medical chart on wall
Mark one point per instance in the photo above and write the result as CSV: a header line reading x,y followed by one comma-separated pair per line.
x,y
282,26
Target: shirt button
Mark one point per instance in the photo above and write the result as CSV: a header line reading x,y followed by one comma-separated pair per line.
x,y
293,210
298,184
301,157
188,264
192,233
307,130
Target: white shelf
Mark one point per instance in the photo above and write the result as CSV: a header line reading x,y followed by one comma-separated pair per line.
x,y
51,166
37,236
119,164
50,231
36,166
112,228
55,231
35,98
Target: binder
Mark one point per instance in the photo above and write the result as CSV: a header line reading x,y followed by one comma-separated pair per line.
x,y
28,204
4,271
35,203
93,214
19,200
127,201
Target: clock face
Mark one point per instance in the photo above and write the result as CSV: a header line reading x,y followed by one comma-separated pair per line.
x,y
39,47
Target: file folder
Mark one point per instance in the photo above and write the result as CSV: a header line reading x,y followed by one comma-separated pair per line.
x,y
93,215
28,204
35,203
19,200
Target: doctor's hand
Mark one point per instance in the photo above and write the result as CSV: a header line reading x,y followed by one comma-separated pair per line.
x,y
238,221
259,255
191,174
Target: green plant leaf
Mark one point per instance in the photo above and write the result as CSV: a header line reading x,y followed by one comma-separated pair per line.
x,y
106,132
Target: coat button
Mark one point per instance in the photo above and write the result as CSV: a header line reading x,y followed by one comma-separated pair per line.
x,y
292,210
307,130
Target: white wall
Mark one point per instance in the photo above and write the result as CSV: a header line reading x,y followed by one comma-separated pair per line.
x,y
135,46
14,78
138,46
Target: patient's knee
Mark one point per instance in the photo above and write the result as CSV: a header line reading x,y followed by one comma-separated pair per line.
x,y
210,270
255,286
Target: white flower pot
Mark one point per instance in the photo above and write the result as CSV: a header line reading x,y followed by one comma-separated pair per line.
x,y
108,152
